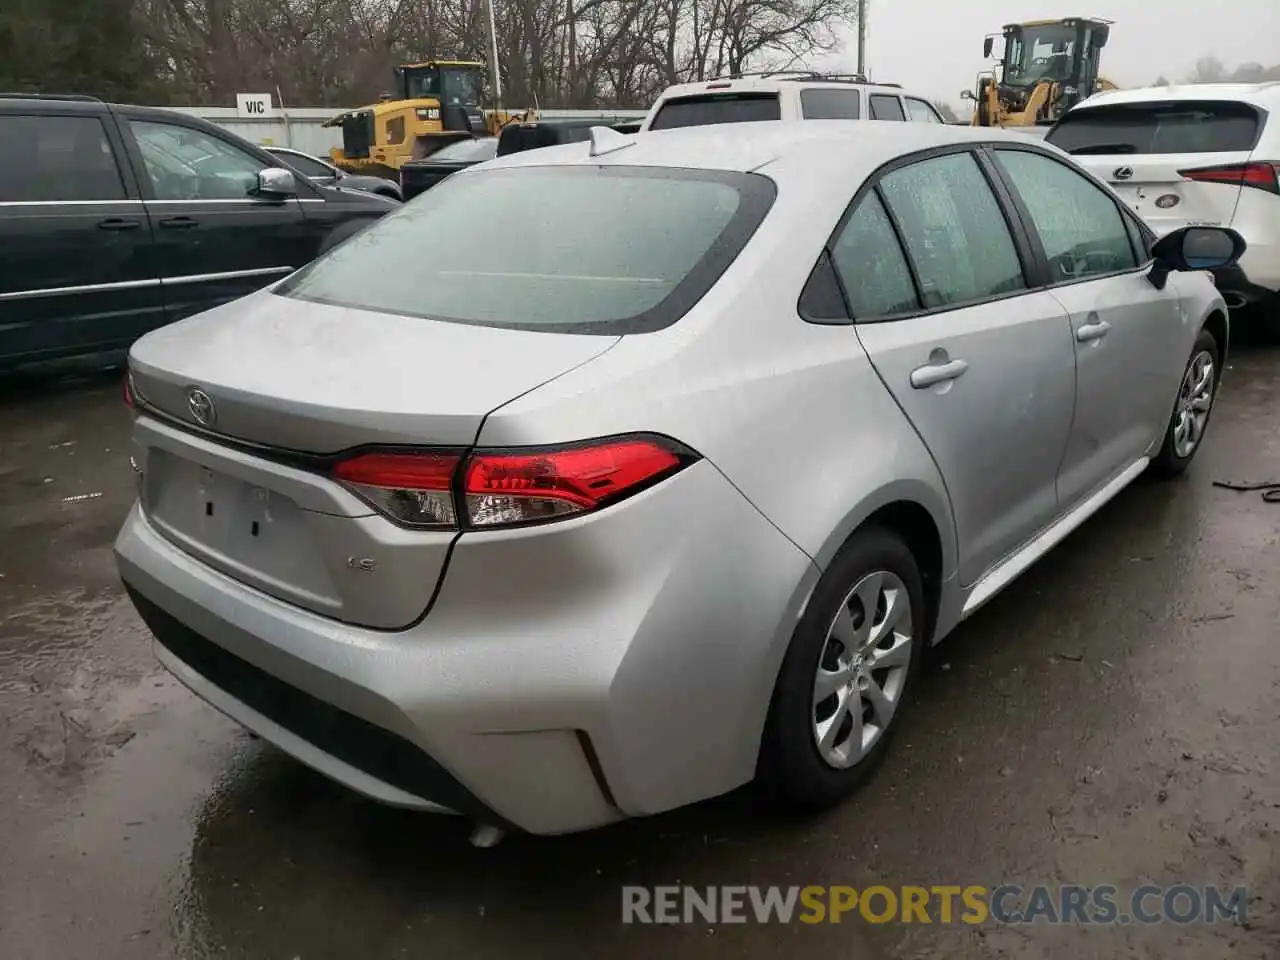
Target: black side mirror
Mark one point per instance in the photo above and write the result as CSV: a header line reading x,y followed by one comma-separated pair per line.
x,y
1195,248
988,45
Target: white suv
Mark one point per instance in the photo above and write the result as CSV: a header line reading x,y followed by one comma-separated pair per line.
x,y
1207,154
785,95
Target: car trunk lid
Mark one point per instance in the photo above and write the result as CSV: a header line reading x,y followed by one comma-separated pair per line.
x,y
283,385
1146,151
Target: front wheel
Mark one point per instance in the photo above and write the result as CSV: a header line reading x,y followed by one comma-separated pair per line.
x,y
847,673
1191,410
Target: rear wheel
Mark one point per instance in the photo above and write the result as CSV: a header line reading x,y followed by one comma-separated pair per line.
x,y
847,672
1191,410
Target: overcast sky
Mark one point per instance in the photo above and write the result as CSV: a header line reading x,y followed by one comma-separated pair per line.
x,y
936,46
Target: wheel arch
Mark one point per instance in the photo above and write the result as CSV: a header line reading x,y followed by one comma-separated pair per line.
x,y
1220,329
921,516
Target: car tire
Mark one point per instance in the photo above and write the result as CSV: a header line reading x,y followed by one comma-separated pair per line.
x,y
802,763
1175,455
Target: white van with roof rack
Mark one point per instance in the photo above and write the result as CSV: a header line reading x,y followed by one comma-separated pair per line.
x,y
1201,154
786,95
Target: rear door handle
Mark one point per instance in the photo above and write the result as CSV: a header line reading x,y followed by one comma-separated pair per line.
x,y
118,223
1095,330
179,223
932,374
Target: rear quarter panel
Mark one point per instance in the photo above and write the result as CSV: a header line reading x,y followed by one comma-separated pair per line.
x,y
791,412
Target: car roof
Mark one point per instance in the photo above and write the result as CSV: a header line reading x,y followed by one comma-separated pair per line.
x,y
1265,94
744,147
771,84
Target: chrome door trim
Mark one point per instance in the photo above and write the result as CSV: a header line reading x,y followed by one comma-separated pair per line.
x,y
83,288
1010,568
68,203
229,275
142,284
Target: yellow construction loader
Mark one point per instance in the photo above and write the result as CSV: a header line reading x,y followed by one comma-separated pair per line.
x,y
1048,67
436,103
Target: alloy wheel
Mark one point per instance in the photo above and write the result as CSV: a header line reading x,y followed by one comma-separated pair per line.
x,y
863,669
1195,399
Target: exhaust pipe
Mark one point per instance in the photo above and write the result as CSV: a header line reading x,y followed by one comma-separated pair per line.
x,y
1234,301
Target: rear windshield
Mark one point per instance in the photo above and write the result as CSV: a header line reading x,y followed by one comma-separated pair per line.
x,y
702,111
574,249
1178,126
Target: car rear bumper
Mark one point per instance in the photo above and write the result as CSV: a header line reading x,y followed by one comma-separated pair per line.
x,y
618,665
1239,288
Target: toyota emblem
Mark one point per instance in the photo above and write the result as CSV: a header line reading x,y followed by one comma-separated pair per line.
x,y
1123,173
201,407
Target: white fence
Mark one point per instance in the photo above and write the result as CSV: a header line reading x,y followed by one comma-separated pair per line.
x,y
302,127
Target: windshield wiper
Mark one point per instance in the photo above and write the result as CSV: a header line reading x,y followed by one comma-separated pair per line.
x,y
1104,148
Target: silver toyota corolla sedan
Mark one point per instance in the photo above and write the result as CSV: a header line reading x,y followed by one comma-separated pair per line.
x,y
608,477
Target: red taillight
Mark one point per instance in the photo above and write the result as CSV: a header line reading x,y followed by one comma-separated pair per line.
x,y
411,488
514,487
508,487
1260,175
128,394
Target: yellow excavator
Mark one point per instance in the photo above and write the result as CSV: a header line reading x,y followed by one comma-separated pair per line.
x,y
1048,67
436,103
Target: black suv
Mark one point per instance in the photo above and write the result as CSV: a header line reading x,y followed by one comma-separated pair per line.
x,y
115,220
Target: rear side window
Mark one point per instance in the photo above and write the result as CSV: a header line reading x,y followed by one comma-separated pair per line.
x,y
717,108
885,107
921,112
574,249
871,266
823,104
1181,126
954,231
57,158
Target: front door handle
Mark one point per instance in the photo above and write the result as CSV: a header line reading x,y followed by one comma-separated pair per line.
x,y
179,223
932,374
1094,330
118,223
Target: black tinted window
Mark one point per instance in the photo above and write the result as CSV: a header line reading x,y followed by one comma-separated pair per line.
x,y
885,107
724,108
871,266
823,104
575,249
1080,226
1164,127
954,230
304,165
57,158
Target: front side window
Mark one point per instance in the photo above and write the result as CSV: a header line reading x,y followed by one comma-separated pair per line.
x,y
187,164
44,159
824,104
954,230
717,108
921,112
1080,226
885,107
1040,53
577,249
869,261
